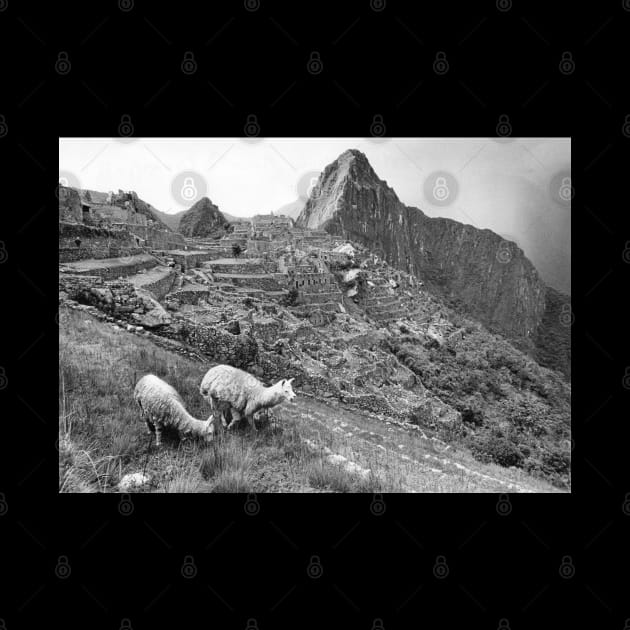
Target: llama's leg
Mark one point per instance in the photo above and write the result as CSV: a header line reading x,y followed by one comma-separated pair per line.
x,y
252,424
150,426
158,434
236,418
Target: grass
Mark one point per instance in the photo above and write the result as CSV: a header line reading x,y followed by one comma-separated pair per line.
x,y
102,437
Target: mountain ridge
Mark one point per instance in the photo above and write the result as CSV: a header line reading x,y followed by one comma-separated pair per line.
x,y
477,269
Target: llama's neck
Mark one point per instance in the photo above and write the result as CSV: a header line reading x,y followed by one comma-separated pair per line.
x,y
186,423
271,397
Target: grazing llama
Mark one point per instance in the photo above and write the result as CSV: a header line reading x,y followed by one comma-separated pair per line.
x,y
225,386
161,406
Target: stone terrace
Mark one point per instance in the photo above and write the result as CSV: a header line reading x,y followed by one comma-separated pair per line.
x,y
111,268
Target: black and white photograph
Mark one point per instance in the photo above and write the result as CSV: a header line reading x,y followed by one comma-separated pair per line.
x,y
315,315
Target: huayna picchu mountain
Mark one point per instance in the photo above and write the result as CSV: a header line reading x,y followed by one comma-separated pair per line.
x,y
489,277
203,219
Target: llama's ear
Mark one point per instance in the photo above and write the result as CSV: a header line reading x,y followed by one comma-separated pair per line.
x,y
291,380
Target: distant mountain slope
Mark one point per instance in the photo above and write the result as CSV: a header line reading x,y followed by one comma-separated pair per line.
x,y
489,277
203,219
172,220
292,209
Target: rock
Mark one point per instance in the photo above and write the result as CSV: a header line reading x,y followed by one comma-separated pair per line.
x,y
234,327
134,481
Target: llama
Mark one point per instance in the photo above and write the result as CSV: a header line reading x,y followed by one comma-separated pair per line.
x,y
161,406
225,386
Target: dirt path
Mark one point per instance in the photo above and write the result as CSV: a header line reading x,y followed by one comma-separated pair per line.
x,y
402,457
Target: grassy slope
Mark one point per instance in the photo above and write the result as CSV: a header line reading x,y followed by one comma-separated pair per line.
x,y
102,436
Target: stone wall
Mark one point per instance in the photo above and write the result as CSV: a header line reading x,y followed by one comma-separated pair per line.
x,y
117,269
118,298
188,259
219,345
94,242
69,204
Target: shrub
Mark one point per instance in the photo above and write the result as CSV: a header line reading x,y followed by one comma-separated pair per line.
x,y
496,449
291,298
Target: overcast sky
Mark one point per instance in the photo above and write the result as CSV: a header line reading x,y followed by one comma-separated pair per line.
x,y
503,185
